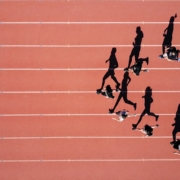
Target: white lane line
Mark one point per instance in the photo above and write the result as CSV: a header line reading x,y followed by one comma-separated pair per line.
x,y
75,92
80,23
75,69
77,46
90,0
89,160
86,137
69,114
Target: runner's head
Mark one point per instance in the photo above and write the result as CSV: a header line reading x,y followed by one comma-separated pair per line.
x,y
148,89
138,29
124,116
113,50
108,88
171,19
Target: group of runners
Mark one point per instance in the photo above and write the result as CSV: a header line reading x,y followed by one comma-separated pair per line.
x,y
170,53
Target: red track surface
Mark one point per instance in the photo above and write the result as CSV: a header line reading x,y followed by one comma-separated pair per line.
x,y
53,125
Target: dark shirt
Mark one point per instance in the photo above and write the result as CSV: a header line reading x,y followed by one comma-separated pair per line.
x,y
172,53
148,129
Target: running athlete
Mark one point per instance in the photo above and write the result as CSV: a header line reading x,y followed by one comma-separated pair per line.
x,y
108,92
147,130
137,68
171,54
123,115
113,64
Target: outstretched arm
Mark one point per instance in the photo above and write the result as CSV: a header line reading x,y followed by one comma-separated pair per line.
x,y
178,153
155,126
169,59
167,48
142,130
107,60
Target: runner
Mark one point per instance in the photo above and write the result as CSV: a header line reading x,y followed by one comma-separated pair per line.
x,y
113,64
171,54
137,68
123,115
108,92
147,130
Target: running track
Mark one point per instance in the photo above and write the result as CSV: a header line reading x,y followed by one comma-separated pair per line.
x,y
52,59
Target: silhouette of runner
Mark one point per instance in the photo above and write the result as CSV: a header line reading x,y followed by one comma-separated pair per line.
x,y
112,65
137,47
123,94
168,34
148,100
176,125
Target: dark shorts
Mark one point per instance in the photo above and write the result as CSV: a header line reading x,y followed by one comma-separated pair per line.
x,y
111,72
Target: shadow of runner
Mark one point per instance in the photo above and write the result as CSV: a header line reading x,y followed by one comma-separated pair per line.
x,y
168,32
113,63
148,100
123,93
137,47
176,125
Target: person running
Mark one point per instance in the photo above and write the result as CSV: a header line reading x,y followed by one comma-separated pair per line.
x,y
168,33
136,48
147,130
171,54
123,115
177,146
176,125
148,100
108,92
123,93
137,68
113,64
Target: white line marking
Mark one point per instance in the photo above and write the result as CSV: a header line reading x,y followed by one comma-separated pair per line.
x,y
86,137
69,114
89,160
75,92
74,69
80,23
89,0
77,46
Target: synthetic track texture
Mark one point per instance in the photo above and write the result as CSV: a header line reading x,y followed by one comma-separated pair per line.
x,y
53,125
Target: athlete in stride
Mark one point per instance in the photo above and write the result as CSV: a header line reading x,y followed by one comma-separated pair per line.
x,y
171,54
147,130
137,68
108,92
113,64
122,115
